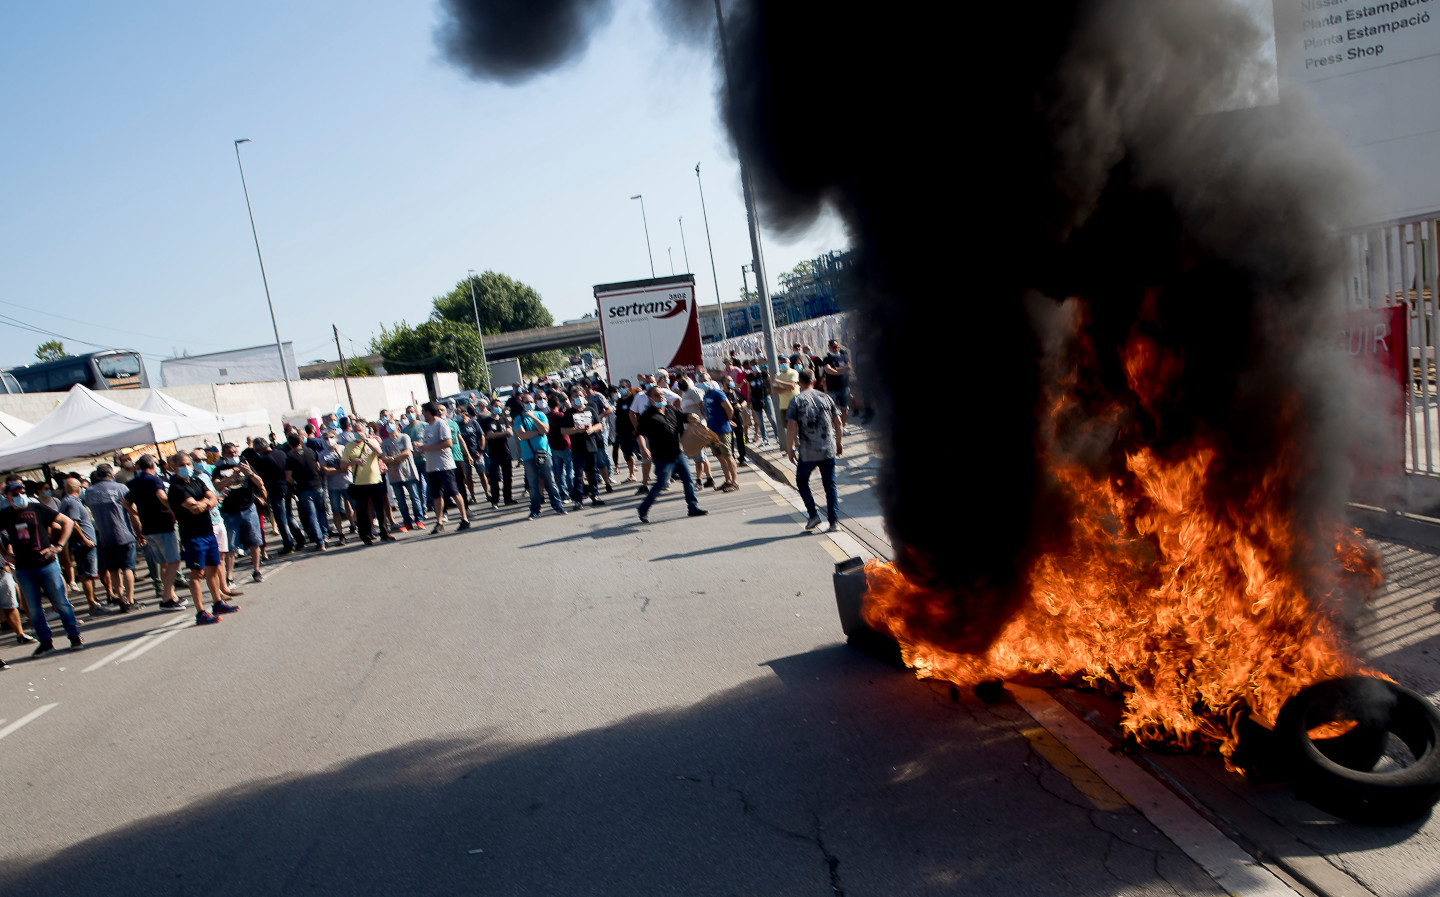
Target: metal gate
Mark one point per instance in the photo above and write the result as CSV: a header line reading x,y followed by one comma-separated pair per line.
x,y
1397,265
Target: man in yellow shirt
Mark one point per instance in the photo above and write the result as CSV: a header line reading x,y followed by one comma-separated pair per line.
x,y
362,458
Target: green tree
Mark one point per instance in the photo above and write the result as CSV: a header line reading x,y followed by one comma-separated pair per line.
x,y
51,350
430,347
354,367
504,304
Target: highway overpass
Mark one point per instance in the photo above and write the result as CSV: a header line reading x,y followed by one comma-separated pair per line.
x,y
498,345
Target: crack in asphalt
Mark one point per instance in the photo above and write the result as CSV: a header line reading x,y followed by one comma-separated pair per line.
x,y
817,838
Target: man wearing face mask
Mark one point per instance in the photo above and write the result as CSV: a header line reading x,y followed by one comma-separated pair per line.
x,y
33,536
398,453
191,501
624,429
147,498
659,438
532,429
579,424
637,410
786,386
496,431
415,429
440,465
238,486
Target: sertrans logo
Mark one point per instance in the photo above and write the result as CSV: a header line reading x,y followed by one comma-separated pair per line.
x,y
671,306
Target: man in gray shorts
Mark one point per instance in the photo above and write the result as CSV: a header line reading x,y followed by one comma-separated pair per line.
x,y
147,498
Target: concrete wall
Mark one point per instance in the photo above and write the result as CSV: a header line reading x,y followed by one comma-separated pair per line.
x,y
371,395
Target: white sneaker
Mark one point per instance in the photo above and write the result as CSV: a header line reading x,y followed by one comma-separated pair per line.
x,y
814,521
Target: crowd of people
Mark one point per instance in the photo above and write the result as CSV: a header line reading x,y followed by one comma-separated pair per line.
x,y
215,508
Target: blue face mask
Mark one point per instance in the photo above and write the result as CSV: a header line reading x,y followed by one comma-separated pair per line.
x,y
661,402
18,502
577,402
183,472
529,406
203,466
495,410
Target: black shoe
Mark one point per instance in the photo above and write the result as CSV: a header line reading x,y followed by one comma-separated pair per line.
x,y
76,643
284,551
257,576
609,488
44,648
4,665
696,512
24,639
709,482
464,525
511,501
596,503
644,519
388,538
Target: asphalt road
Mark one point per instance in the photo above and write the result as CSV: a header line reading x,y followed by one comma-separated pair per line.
x,y
571,706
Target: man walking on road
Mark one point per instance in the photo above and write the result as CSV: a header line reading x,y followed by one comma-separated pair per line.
x,y
812,429
659,438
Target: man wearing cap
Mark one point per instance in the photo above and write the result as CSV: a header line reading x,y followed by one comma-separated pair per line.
x,y
33,536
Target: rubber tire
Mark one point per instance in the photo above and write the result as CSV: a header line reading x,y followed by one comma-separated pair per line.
x,y
1359,795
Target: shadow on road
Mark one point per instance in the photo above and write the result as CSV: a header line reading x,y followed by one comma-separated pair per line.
x,y
828,773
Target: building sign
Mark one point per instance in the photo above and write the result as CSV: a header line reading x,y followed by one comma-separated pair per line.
x,y
1373,67
649,324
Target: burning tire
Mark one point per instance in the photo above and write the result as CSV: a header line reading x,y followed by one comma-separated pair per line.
x,y
1335,774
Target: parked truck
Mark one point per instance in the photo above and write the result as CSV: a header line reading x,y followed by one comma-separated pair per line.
x,y
504,372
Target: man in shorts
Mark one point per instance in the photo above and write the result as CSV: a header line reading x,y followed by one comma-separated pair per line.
x,y
438,445
192,500
238,486
115,527
148,499
83,550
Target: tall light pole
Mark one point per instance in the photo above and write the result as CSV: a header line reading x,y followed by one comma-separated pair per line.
x,y
641,197
670,252
683,247
284,372
713,276
484,365
767,313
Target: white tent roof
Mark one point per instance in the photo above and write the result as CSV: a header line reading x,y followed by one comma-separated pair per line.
x,y
12,426
86,424
160,403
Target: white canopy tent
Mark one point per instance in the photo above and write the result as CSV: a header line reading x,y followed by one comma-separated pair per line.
x,y
12,426
87,424
160,403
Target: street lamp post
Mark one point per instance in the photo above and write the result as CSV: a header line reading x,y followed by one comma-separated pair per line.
x,y
484,365
646,222
284,372
713,276
683,248
747,187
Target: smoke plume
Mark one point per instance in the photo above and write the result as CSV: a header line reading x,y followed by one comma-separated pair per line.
x,y
993,161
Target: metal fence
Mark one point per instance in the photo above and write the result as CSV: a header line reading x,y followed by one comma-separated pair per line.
x,y
1397,265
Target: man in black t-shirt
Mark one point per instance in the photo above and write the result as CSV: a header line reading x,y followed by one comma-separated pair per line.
x,y
837,378
302,472
757,380
624,429
497,431
147,498
33,534
191,501
270,463
659,442
578,422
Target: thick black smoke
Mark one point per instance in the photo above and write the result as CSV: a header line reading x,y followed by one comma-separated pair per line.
x,y
510,40
986,152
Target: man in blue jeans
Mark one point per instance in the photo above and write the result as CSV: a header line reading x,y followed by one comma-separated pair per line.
x,y
533,429
33,536
302,473
658,435
813,430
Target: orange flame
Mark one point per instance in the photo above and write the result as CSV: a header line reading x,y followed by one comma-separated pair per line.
x,y
1192,610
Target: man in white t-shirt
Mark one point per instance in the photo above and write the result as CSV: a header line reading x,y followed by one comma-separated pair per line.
x,y
440,465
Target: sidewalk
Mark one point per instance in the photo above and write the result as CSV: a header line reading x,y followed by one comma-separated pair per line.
x,y
856,474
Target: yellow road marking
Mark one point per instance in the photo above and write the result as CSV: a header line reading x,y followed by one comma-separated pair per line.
x,y
1086,780
835,551
764,484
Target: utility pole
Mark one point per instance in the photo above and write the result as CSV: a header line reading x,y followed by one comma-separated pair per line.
x,y
646,222
720,306
484,364
670,251
455,350
767,313
344,372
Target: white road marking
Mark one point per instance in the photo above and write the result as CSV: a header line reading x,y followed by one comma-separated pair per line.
x,y
160,638
27,718
113,655
273,572
1222,859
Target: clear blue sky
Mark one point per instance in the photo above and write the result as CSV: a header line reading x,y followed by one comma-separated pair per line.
x,y
379,173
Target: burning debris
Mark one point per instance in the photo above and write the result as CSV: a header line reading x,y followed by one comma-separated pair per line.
x,y
1136,473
